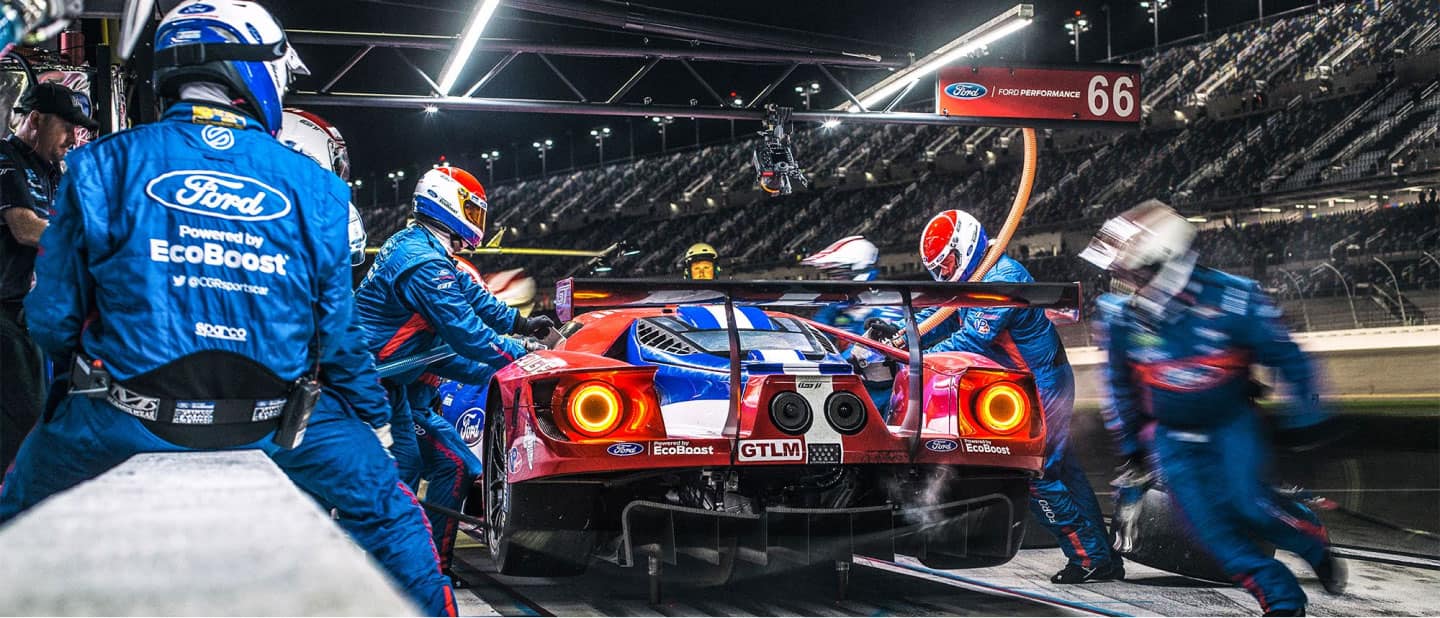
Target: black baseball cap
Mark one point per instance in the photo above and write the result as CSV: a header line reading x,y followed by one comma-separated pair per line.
x,y
52,98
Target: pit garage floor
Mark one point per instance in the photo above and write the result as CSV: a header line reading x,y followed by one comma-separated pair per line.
x,y
1020,588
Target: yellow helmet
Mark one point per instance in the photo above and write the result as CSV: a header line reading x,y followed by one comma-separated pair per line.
x,y
700,261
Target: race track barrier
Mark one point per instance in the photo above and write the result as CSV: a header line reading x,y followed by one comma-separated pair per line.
x,y
188,534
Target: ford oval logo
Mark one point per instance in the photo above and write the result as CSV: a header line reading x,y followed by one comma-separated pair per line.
x,y
469,425
196,9
941,445
966,91
625,449
217,194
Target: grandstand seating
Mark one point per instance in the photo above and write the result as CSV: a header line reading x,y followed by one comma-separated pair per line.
x,y
1303,123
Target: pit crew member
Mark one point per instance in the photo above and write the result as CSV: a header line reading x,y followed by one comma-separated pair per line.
x,y
700,261
414,298
952,246
1180,349
201,264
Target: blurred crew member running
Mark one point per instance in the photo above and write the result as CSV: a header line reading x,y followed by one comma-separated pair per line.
x,y
1180,348
203,265
853,259
700,261
952,246
414,298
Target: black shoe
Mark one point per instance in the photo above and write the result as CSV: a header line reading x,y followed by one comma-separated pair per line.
x,y
1295,611
1332,573
1076,574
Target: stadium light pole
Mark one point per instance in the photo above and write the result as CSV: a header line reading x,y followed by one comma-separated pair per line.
x,y
600,135
490,159
1076,25
460,55
543,147
1155,6
1109,53
999,27
395,178
662,122
807,91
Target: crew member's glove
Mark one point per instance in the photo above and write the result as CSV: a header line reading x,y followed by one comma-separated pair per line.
x,y
534,326
880,329
383,433
532,344
1134,472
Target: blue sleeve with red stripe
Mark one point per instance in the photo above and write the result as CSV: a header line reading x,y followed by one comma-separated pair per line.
x,y
435,291
492,311
462,370
1263,332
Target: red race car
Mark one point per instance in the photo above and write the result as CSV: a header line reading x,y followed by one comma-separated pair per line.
x,y
682,424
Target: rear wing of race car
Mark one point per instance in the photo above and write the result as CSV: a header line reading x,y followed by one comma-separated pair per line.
x,y
582,294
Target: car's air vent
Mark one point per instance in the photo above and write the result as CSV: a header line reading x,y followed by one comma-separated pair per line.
x,y
822,338
654,337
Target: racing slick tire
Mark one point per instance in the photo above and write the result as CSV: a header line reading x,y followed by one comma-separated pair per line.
x,y
526,532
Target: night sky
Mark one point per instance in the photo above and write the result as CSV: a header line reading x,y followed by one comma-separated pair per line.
x,y
386,139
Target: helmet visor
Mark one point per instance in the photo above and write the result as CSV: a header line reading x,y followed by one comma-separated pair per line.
x,y
474,208
947,268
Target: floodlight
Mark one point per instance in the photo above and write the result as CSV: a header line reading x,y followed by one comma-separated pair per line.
x,y
480,16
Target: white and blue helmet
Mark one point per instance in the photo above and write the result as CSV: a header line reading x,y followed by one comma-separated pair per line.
x,y
233,43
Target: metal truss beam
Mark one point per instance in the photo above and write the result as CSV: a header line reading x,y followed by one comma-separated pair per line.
x,y
493,73
434,88
568,84
421,41
352,99
349,64
765,93
634,79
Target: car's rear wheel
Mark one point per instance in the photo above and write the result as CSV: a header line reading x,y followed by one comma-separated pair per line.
x,y
517,545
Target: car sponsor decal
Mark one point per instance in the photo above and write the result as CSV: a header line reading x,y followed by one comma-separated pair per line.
x,y
532,363
984,446
529,441
221,331
218,138
965,91
514,460
469,425
790,449
625,449
679,447
218,194
941,445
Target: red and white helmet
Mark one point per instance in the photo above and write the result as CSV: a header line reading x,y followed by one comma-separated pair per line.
x,y
453,199
318,139
851,257
952,245
1143,237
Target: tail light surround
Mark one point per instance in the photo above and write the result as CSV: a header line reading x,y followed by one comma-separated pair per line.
x,y
1002,408
601,406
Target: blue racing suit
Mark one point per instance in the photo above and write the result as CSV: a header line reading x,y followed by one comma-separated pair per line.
x,y
1061,498
852,318
195,284
1189,369
446,462
413,299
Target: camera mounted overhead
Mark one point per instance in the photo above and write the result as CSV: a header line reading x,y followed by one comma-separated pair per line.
x,y
775,166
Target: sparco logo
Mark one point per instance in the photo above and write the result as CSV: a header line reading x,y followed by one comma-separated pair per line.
x,y
984,446
679,447
220,331
217,194
966,91
941,445
772,450
469,425
625,449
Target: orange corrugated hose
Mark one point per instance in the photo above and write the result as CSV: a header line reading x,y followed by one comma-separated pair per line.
x,y
997,249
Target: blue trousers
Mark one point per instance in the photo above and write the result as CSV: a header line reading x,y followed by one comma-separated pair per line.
x,y
1218,478
1062,498
340,463
440,457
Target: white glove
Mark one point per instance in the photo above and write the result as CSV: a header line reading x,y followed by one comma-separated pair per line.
x,y
532,344
383,433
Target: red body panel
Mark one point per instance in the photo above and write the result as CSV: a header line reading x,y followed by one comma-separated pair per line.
x,y
951,434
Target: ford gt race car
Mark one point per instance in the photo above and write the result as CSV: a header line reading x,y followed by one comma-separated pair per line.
x,y
692,423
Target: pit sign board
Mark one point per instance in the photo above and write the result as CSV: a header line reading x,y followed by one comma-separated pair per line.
x,y
1107,93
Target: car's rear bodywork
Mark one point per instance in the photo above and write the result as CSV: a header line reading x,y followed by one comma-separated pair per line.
x,y
680,421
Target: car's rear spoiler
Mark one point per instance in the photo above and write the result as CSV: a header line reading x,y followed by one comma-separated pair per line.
x,y
572,294
576,295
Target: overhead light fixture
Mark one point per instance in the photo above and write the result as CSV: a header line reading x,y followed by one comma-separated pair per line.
x,y
991,31
830,124
430,109
459,56
1196,219
1269,209
1343,200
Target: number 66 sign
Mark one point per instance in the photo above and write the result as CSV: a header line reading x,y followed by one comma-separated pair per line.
x,y
1108,93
